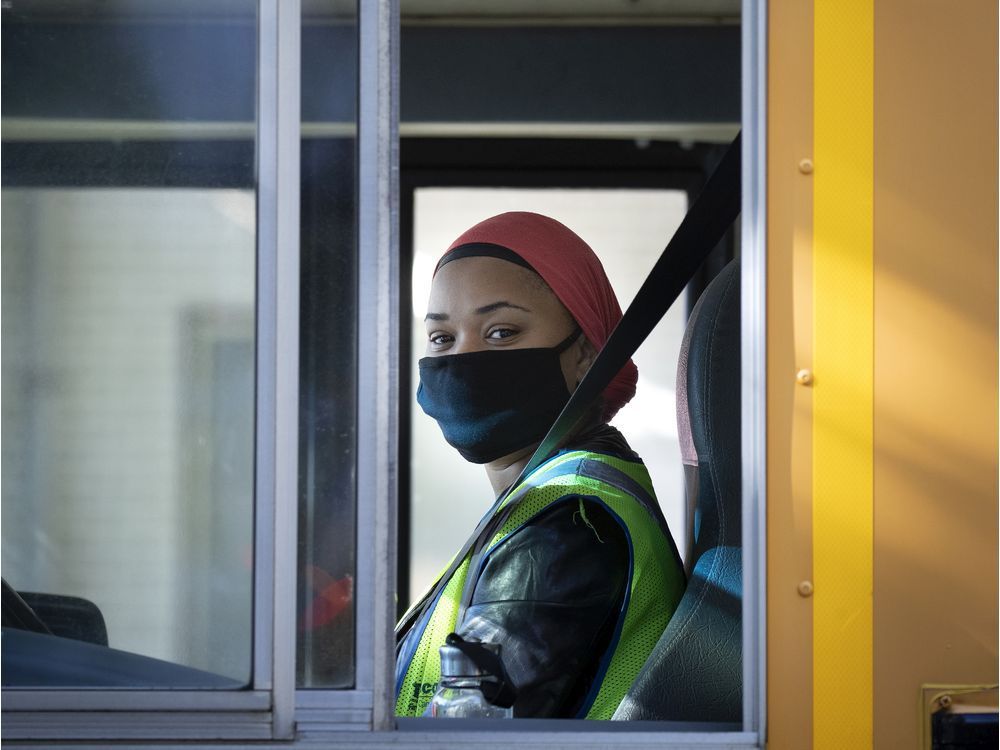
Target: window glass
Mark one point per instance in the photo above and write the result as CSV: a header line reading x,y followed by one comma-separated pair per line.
x,y
128,293
328,351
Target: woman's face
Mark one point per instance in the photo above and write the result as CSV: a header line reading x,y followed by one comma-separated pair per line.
x,y
485,303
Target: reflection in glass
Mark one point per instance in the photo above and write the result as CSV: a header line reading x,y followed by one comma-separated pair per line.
x,y
128,345
328,353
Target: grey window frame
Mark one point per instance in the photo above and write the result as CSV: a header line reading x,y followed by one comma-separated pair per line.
x,y
266,710
273,709
378,409
322,713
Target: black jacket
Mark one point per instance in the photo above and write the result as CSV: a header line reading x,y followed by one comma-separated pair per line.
x,y
550,595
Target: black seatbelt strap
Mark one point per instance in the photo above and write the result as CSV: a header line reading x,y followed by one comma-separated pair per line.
x,y
713,212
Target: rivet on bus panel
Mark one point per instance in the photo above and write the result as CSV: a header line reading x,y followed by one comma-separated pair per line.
x,y
805,588
804,377
806,166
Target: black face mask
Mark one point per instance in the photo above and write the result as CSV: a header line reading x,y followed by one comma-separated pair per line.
x,y
493,402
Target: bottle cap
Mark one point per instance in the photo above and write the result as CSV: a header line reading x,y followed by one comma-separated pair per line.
x,y
454,663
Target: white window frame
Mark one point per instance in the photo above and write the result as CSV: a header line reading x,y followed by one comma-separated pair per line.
x,y
274,709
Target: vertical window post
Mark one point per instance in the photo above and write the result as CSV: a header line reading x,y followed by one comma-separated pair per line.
x,y
278,353
378,350
754,362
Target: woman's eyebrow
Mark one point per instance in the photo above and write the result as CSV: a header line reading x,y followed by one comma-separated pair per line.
x,y
479,310
498,305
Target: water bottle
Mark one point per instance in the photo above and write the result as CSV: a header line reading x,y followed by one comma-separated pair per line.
x,y
460,694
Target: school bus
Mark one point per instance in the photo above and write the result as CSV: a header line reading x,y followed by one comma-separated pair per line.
x,y
213,477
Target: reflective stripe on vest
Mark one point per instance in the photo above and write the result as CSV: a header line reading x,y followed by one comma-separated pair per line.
x,y
656,579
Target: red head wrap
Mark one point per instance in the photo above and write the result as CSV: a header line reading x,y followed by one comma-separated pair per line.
x,y
575,275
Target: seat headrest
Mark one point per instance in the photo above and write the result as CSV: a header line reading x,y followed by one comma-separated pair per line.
x,y
708,410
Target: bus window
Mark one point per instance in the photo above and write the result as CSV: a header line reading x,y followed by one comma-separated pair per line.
x,y
129,271
328,360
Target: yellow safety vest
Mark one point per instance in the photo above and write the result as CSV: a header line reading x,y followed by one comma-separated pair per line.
x,y
656,577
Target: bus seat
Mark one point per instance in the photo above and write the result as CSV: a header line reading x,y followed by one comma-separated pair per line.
x,y
695,671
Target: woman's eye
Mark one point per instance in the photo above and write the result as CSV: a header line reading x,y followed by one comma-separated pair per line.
x,y
440,339
501,333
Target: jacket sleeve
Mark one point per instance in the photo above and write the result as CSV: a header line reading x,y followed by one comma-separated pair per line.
x,y
550,595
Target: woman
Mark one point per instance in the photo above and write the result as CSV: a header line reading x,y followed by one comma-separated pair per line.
x,y
573,572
